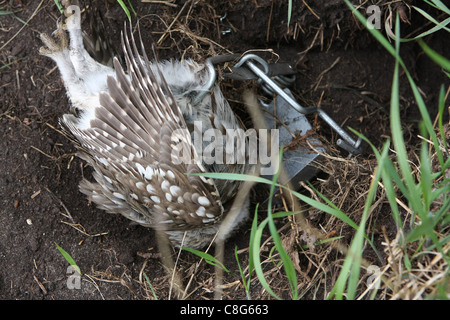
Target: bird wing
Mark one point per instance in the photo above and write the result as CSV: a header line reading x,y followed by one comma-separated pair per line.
x,y
139,141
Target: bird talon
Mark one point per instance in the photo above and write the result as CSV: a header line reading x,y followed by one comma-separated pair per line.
x,y
58,41
61,34
52,46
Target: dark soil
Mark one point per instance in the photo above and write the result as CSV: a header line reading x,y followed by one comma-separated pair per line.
x,y
39,174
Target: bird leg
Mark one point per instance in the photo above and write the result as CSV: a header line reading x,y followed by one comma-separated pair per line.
x,y
82,61
52,47
83,77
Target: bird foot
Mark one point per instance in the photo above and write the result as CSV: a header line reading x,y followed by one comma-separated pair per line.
x,y
72,23
51,46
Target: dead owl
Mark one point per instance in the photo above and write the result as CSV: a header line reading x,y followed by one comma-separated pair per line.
x,y
130,127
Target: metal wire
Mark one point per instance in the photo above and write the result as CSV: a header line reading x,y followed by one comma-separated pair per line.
x,y
347,142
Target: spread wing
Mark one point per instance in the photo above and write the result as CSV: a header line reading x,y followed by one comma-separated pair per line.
x,y
141,150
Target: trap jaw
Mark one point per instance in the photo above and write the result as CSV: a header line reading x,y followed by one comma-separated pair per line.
x,y
302,151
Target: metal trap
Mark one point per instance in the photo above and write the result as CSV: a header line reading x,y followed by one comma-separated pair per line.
x,y
301,149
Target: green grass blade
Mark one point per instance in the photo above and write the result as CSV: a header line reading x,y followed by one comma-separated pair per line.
x,y
439,25
431,186
59,6
341,215
11,63
347,282
151,287
425,33
436,57
132,8
254,251
125,9
289,11
251,264
241,272
386,176
417,96
68,258
333,210
256,245
208,258
438,5
426,180
389,176
4,13
396,129
441,108
287,262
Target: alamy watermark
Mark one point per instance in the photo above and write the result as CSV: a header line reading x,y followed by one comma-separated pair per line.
x,y
374,280
373,17
227,146
74,279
